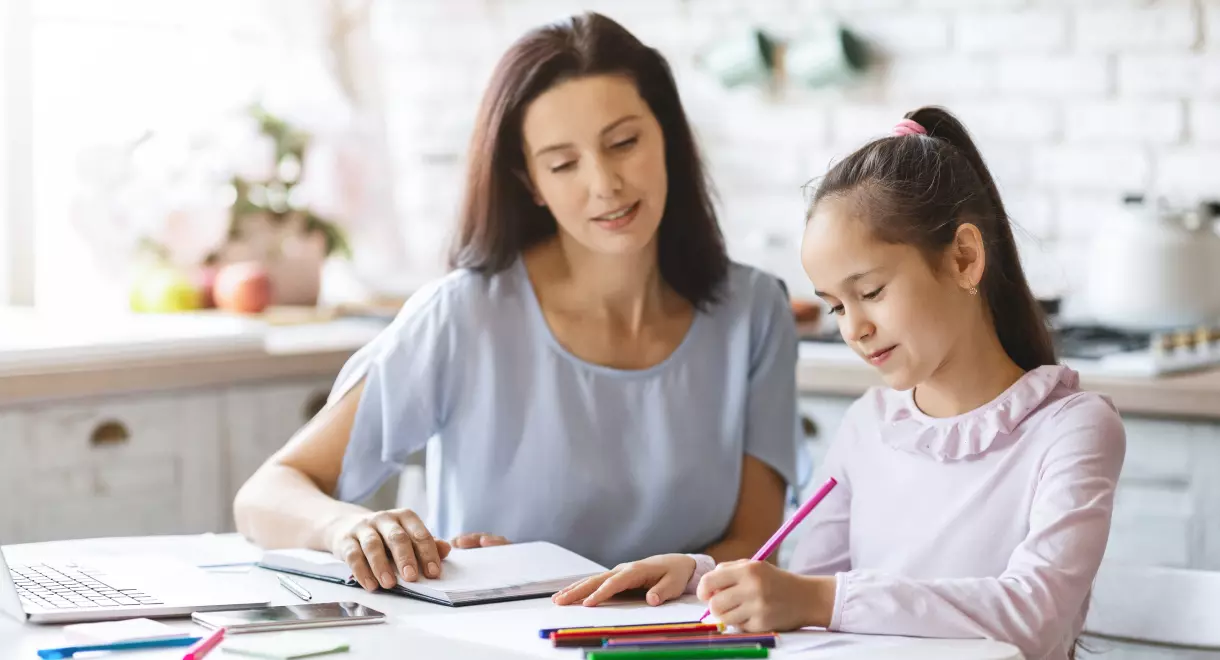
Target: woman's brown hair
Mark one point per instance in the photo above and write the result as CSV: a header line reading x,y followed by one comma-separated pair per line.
x,y
918,189
499,218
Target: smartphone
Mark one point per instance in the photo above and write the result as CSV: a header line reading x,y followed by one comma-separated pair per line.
x,y
289,617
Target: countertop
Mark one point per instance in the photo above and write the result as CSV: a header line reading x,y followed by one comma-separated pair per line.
x,y
162,354
1194,395
158,353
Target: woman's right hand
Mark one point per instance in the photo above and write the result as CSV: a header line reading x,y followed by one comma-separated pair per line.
x,y
665,577
369,542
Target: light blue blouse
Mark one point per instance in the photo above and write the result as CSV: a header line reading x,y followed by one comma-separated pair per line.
x,y
528,441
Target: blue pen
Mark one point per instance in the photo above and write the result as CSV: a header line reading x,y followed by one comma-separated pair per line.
x,y
69,651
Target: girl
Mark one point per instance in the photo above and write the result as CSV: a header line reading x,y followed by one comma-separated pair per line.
x,y
975,492
563,372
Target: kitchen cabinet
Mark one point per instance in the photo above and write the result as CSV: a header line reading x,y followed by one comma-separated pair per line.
x,y
114,466
1108,649
12,516
163,463
168,462
259,419
820,417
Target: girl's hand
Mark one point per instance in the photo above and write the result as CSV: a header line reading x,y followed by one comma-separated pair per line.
x,y
757,596
667,576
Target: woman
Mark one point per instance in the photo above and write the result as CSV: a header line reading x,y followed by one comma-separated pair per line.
x,y
593,370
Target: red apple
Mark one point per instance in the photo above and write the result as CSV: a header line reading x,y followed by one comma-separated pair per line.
x,y
243,287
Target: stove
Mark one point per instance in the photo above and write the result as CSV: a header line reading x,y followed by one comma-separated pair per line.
x,y
1090,349
1095,342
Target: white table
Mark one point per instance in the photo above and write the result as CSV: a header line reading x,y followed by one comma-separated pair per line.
x,y
467,633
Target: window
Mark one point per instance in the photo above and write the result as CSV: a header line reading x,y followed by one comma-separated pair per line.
x,y
82,80
16,200
78,77
104,73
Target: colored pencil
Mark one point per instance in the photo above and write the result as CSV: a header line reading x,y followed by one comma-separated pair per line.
x,y
767,640
677,654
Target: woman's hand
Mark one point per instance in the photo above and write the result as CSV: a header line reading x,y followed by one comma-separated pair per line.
x,y
477,540
759,597
380,546
667,576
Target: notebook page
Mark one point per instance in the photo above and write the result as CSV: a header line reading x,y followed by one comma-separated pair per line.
x,y
307,561
504,566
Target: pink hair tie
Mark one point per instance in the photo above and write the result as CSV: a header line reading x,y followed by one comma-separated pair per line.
x,y
909,127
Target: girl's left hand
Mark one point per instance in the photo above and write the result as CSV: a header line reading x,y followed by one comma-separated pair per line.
x,y
757,596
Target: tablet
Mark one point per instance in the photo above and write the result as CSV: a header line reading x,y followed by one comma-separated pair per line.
x,y
289,617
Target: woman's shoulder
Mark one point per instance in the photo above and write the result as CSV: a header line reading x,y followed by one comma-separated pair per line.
x,y
744,283
750,293
753,307
448,307
462,293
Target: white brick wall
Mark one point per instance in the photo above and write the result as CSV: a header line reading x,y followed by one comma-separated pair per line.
x,y
1091,168
1110,29
1190,171
1205,122
904,33
1211,24
1001,31
1180,75
1054,75
1128,121
1073,102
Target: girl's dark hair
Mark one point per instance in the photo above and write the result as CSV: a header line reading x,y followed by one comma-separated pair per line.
x,y
917,190
499,218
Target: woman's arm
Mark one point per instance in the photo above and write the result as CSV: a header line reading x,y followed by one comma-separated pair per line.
x,y
759,512
288,503
771,430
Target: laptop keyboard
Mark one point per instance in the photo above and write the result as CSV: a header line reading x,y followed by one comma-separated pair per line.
x,y
70,586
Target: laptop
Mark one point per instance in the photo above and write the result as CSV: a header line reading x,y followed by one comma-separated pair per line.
x,y
104,589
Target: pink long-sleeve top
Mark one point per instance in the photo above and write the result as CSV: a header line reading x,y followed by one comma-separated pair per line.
x,y
990,524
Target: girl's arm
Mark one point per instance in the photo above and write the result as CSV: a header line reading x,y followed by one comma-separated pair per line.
x,y
1039,596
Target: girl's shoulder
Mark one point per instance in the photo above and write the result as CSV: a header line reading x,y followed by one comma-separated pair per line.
x,y
1045,403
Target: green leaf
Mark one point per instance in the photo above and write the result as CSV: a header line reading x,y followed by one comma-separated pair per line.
x,y
336,240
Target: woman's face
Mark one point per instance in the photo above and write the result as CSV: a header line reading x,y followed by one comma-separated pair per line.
x,y
595,157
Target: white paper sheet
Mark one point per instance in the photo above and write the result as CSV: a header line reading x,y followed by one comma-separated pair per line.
x,y
818,645
517,628
202,550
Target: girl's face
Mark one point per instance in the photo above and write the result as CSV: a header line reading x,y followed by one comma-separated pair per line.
x,y
595,157
897,312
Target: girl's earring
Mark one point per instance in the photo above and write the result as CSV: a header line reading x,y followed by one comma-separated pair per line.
x,y
974,290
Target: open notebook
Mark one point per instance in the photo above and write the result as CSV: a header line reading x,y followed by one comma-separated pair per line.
x,y
468,577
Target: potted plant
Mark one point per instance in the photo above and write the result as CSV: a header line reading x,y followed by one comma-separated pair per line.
x,y
253,190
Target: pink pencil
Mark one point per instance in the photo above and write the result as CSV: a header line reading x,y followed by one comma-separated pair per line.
x,y
786,529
